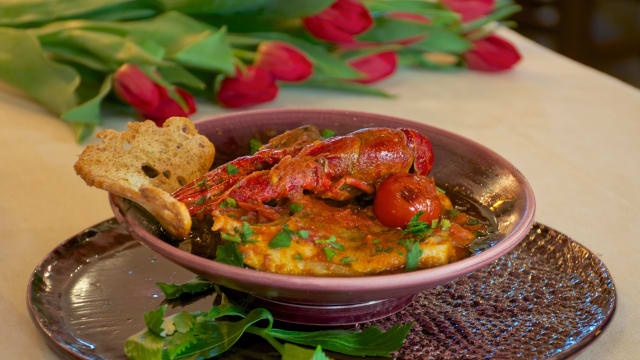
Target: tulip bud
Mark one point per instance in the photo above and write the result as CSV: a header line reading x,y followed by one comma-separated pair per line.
x,y
253,86
375,66
340,21
491,53
167,107
284,61
470,9
135,88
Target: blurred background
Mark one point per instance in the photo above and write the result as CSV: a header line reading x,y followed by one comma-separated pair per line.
x,y
604,34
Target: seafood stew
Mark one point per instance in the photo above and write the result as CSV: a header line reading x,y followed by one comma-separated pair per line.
x,y
358,204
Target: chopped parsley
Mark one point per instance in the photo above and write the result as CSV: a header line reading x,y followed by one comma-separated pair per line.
x,y
347,259
294,208
446,224
473,221
413,257
416,227
453,213
232,170
201,183
282,239
327,133
228,253
329,253
254,145
434,223
231,238
438,189
331,239
229,202
376,241
298,257
201,200
303,234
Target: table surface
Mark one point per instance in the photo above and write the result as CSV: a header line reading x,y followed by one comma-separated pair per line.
x,y
572,131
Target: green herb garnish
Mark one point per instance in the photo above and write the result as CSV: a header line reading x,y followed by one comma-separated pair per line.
x,y
416,227
303,234
438,189
201,200
232,170
231,238
453,213
347,259
331,239
201,183
413,257
294,208
379,249
192,287
329,252
327,133
228,253
298,257
376,241
446,224
434,223
229,202
200,335
254,145
473,221
282,239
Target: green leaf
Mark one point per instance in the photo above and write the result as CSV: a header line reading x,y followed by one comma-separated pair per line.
x,y
327,133
329,252
176,74
246,232
434,11
202,7
192,287
369,342
214,338
232,170
296,9
183,322
254,146
294,352
282,239
323,82
294,208
15,13
442,40
154,319
499,13
24,65
89,111
319,56
228,253
413,257
144,346
212,53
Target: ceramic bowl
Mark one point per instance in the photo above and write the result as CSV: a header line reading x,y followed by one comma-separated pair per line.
x,y
460,164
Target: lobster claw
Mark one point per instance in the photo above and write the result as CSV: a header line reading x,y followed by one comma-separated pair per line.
x,y
422,151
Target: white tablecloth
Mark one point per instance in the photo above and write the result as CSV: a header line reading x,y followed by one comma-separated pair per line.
x,y
572,131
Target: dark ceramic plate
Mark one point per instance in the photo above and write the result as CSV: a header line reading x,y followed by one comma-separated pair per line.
x,y
547,298
461,164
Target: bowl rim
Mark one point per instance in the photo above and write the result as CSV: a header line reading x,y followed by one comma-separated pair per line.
x,y
435,275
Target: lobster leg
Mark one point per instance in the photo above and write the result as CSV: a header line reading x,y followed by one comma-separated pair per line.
x,y
337,193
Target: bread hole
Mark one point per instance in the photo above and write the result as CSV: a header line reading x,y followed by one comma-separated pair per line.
x,y
149,171
126,146
166,174
181,180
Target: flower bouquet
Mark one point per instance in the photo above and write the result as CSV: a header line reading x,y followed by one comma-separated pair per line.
x,y
73,55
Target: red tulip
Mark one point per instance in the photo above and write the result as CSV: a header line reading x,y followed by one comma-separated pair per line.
x,y
167,107
376,67
253,86
134,87
491,53
470,9
284,61
340,21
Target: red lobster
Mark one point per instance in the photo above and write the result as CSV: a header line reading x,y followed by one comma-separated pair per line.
x,y
361,159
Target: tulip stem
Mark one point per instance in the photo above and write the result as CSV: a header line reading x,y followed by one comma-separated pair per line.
x,y
244,54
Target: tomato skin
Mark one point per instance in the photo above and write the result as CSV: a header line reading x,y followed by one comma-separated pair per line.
x,y
402,196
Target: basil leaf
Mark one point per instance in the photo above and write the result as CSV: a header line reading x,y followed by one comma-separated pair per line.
x,y
214,338
228,253
282,239
192,287
369,342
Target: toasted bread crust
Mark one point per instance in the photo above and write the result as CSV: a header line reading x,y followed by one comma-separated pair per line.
x,y
146,163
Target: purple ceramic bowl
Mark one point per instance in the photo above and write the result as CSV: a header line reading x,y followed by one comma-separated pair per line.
x,y
460,164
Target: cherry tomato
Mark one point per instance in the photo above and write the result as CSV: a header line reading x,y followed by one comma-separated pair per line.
x,y
402,196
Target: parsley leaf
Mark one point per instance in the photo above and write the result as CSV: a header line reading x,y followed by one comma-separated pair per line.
x,y
303,234
416,227
192,287
298,257
331,239
413,257
154,319
294,208
282,239
229,202
228,253
254,145
327,133
232,170
201,200
246,232
347,260
329,253
446,224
